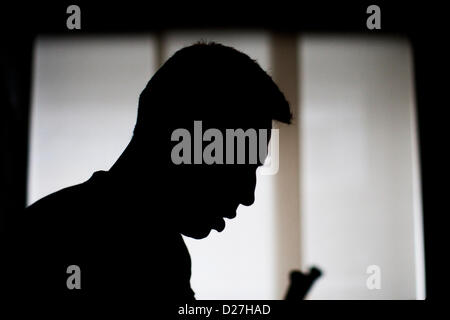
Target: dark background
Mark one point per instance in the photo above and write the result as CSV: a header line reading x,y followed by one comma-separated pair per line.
x,y
423,23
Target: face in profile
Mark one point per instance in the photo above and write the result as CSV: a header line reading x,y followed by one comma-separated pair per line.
x,y
206,195
224,89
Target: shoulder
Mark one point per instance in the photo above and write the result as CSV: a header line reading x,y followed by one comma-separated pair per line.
x,y
57,199
72,196
58,202
63,207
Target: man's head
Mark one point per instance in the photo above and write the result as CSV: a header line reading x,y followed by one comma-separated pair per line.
x,y
219,88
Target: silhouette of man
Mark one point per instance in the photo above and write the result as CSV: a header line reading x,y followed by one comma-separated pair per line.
x,y
123,227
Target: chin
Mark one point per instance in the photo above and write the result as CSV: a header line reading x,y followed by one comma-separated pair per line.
x,y
196,234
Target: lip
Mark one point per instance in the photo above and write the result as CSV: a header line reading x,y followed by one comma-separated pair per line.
x,y
219,224
233,210
230,216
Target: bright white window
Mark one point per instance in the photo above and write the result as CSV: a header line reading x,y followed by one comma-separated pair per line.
x,y
359,169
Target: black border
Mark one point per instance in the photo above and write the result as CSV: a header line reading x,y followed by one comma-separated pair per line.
x,y
423,24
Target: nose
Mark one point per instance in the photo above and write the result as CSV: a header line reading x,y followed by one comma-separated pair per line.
x,y
248,189
248,201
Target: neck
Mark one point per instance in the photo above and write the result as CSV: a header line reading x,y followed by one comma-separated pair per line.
x,y
127,171
135,171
